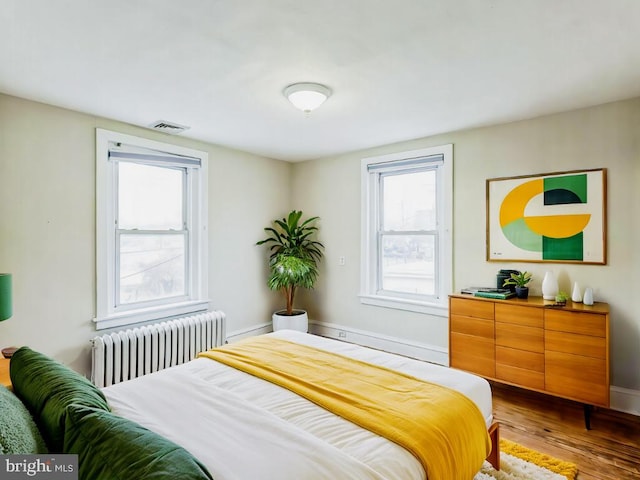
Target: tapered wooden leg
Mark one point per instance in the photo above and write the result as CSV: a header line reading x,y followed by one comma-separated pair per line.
x,y
587,416
494,456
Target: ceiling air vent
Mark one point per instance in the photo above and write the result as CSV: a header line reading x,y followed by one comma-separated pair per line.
x,y
168,127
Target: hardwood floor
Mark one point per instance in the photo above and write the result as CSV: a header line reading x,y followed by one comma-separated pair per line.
x,y
609,451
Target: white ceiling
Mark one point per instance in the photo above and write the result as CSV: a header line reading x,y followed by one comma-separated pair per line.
x,y
399,69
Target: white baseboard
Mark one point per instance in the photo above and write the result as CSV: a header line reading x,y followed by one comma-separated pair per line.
x,y
421,351
259,329
625,400
401,346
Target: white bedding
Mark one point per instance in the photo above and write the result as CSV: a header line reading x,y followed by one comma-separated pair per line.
x,y
244,428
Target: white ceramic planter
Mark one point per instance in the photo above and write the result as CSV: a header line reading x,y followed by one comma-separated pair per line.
x,y
588,296
576,295
549,286
298,321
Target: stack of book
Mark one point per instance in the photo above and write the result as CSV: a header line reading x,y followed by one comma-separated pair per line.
x,y
497,293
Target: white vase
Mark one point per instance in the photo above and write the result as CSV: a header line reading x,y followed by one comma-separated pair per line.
x,y
576,295
588,296
549,286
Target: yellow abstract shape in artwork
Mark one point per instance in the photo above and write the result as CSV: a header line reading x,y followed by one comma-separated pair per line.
x,y
516,200
558,226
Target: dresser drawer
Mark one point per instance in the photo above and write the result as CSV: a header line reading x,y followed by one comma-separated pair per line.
x,y
530,339
473,354
471,308
577,377
520,377
472,326
517,358
585,345
576,322
532,317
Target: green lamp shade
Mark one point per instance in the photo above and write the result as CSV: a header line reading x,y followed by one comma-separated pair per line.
x,y
6,309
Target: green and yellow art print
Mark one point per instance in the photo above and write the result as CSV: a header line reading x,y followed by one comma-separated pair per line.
x,y
554,217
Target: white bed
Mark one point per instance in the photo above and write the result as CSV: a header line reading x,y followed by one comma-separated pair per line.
x,y
241,427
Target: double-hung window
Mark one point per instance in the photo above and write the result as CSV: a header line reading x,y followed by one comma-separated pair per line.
x,y
406,230
151,230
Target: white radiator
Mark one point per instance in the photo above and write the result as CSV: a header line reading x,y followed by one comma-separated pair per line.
x,y
128,354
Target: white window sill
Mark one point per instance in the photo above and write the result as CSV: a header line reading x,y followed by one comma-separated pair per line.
x,y
148,314
429,308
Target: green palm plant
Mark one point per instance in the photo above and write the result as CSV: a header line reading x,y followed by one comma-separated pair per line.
x,y
294,255
518,279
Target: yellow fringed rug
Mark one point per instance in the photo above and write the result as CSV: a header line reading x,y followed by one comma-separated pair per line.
x,y
520,463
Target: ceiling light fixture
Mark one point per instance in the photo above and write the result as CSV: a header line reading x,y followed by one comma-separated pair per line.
x,y
307,96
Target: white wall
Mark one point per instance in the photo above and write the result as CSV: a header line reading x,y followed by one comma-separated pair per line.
x,y
604,136
47,226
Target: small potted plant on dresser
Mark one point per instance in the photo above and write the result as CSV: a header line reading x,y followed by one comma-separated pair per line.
x,y
293,263
561,298
520,280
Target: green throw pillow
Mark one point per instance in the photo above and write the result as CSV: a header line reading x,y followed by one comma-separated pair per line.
x,y
47,388
110,447
18,431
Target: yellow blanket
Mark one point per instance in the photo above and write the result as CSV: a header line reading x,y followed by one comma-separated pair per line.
x,y
441,427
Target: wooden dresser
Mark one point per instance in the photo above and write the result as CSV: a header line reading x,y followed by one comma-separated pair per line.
x,y
562,351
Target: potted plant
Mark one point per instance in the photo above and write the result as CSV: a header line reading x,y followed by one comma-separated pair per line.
x,y
561,298
293,263
520,280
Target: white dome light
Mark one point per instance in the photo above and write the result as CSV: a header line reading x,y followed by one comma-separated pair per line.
x,y
307,96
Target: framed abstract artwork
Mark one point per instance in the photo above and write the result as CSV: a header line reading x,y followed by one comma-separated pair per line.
x,y
554,217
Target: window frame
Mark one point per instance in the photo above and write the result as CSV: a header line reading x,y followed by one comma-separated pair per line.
x,y
108,312
371,169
